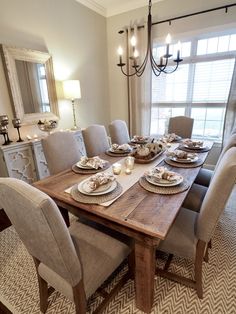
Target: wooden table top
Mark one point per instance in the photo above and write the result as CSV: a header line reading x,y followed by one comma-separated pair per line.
x,y
137,209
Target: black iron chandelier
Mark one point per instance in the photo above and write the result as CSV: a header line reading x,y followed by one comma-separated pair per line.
x,y
157,68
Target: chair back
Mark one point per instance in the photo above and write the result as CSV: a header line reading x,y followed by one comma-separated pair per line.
x,y
95,140
61,151
230,143
119,132
217,196
181,125
41,228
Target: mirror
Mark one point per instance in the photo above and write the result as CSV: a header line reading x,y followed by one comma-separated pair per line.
x,y
31,84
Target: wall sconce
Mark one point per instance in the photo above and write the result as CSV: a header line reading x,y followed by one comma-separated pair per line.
x,y
72,91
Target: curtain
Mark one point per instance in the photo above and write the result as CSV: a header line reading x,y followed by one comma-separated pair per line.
x,y
230,115
139,88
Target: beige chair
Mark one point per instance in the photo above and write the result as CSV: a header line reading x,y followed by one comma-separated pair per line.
x,y
205,175
191,232
119,132
61,151
181,125
95,140
74,261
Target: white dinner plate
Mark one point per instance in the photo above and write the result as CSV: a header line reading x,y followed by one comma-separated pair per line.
x,y
195,147
163,182
79,165
184,160
103,189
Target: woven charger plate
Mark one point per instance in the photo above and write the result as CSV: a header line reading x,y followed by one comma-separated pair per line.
x,y
117,154
89,171
204,150
163,190
183,165
96,199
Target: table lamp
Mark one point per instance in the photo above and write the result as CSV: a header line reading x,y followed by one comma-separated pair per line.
x,y
72,91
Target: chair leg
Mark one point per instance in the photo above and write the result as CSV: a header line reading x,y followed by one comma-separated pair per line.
x,y
43,289
210,244
80,298
198,267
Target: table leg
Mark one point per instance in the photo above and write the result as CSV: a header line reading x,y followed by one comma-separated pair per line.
x,y
144,276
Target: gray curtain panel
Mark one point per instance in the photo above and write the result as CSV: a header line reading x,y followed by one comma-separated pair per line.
x,y
230,123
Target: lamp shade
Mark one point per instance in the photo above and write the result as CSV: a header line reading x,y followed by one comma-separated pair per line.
x,y
71,89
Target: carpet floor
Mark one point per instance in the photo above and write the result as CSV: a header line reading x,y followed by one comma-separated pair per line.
x,y
19,289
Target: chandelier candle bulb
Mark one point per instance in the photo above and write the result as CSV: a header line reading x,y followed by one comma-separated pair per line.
x,y
120,53
133,41
178,50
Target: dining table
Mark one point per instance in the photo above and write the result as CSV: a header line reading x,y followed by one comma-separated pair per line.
x,y
144,216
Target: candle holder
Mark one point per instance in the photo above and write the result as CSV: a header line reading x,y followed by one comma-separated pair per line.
x,y
3,131
4,121
129,162
17,124
116,168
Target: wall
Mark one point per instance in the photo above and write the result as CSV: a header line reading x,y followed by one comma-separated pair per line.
x,y
75,36
214,21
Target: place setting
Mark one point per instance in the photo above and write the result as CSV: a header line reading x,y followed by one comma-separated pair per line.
x,y
90,165
182,159
170,138
97,189
160,180
117,150
189,145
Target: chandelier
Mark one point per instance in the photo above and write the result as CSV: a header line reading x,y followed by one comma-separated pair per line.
x,y
162,66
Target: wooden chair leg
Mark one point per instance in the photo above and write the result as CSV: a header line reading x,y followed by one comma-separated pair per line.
x,y
198,267
43,289
210,244
167,264
80,298
131,264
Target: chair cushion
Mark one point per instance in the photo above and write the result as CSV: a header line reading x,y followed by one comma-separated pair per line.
x,y
99,254
195,197
181,239
204,177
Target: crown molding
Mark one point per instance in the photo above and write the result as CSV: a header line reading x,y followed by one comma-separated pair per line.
x,y
117,8
93,5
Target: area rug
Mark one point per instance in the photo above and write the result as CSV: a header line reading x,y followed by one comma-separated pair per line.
x,y
19,289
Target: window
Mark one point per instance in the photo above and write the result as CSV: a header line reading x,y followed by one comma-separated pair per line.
x,y
198,89
43,88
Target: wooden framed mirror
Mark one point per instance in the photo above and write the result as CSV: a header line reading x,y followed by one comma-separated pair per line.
x,y
31,84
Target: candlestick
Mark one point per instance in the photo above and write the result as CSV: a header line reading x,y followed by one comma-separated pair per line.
x,y
17,124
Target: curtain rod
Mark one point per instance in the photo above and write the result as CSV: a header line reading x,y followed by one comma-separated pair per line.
x,y
225,7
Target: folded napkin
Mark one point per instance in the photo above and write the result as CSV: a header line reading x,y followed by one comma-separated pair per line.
x,y
168,138
162,173
139,138
192,143
93,162
98,180
181,154
123,147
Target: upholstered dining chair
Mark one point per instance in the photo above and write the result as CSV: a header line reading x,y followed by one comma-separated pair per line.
x,y
74,261
95,140
205,175
61,151
119,132
191,232
181,125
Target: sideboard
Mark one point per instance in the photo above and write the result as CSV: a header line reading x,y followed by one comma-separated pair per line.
x,y
26,160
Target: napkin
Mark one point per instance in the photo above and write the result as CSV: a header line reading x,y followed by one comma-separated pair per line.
x,y
124,147
162,173
93,162
192,143
97,180
181,154
168,138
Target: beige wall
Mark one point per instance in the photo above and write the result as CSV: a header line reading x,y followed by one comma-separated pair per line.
x,y
163,10
76,38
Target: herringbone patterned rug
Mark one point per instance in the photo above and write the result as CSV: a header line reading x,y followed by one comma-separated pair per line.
x,y
19,290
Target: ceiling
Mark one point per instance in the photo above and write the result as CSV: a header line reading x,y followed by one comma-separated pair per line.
x,y
112,7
